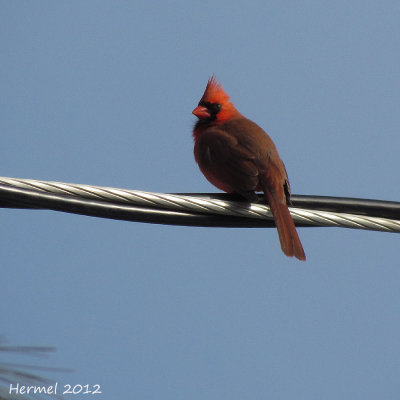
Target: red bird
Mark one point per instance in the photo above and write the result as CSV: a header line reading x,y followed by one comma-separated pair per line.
x,y
237,156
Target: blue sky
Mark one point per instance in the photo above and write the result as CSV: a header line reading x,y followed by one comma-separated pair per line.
x,y
101,93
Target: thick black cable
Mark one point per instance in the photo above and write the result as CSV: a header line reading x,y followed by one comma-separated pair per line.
x,y
14,197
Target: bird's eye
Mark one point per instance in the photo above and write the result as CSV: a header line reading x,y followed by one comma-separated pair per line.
x,y
215,108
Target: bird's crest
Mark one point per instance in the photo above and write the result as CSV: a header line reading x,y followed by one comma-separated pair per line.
x,y
214,92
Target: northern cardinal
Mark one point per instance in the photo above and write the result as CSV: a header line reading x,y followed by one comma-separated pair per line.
x,y
237,156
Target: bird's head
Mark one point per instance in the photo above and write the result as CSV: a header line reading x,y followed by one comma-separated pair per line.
x,y
214,106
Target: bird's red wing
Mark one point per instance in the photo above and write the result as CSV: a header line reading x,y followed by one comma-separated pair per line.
x,y
226,163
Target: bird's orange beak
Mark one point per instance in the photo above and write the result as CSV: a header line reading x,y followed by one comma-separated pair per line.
x,y
201,112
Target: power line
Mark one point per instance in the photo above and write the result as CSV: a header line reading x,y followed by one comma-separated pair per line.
x,y
201,209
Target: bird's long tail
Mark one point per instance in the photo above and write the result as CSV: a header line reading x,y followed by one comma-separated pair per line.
x,y
290,241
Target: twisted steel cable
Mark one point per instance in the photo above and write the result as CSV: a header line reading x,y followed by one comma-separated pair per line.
x,y
217,210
